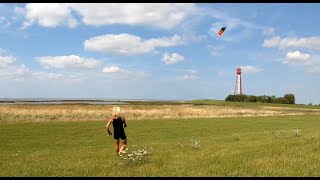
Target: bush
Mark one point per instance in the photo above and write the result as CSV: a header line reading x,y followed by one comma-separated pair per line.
x,y
286,99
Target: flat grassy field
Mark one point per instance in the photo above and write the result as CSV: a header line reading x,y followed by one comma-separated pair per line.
x,y
71,140
249,104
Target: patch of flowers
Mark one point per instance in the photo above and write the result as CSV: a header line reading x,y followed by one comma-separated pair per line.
x,y
236,136
195,144
296,132
136,156
278,134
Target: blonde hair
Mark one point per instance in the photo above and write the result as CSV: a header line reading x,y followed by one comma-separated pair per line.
x,y
116,111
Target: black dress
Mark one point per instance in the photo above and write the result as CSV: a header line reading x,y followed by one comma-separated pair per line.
x,y
118,130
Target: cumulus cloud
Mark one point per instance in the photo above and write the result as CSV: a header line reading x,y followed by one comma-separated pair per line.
x,y
21,70
112,69
48,14
127,44
296,57
161,15
308,62
250,69
115,72
15,73
5,60
309,42
172,59
71,61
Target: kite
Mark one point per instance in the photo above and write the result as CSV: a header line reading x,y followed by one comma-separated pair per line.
x,y
221,31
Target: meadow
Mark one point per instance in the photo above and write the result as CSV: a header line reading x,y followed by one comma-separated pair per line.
x,y
244,140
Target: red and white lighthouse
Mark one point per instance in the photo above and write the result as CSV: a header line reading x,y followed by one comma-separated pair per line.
x,y
238,86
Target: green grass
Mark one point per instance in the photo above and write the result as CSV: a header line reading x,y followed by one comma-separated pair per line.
x,y
246,104
84,149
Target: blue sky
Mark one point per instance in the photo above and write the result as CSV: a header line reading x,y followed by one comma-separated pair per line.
x,y
159,51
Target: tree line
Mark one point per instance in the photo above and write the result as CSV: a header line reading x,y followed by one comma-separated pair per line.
x,y
286,99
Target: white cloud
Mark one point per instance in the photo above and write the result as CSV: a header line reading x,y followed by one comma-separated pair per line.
x,y
250,69
71,61
172,59
127,44
48,14
310,42
117,73
21,70
5,60
191,75
309,62
306,61
297,57
15,73
273,42
160,15
45,75
269,31
112,69
188,77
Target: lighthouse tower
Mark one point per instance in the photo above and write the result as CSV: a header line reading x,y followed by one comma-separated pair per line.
x,y
238,86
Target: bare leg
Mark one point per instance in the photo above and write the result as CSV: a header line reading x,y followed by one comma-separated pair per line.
x,y
124,144
117,146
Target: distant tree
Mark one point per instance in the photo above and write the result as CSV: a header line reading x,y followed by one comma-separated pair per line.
x,y
289,99
228,98
269,99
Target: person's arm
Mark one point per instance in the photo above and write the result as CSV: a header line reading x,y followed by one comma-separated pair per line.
x,y
124,122
108,125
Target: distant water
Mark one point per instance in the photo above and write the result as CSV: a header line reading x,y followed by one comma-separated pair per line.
x,y
64,102
8,101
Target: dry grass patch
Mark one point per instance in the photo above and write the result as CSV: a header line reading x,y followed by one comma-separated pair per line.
x,y
35,113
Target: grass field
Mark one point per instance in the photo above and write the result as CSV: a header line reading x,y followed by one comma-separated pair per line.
x,y
71,140
249,104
